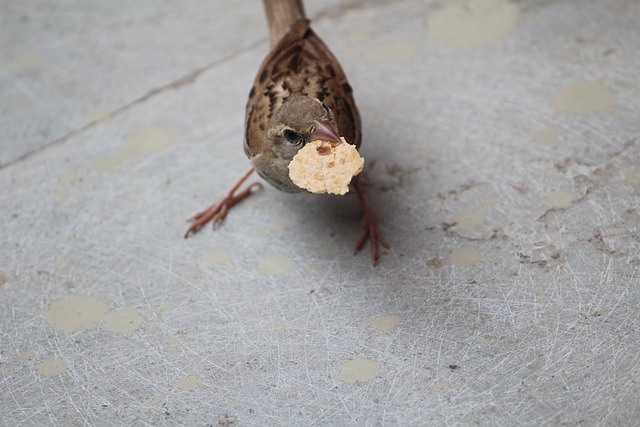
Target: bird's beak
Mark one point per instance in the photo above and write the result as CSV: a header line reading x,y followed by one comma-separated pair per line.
x,y
325,131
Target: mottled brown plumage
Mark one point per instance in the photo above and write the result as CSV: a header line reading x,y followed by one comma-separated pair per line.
x,y
300,93
298,70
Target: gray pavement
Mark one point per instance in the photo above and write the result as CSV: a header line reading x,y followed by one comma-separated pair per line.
x,y
502,148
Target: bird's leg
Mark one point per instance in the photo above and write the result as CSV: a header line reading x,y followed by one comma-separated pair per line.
x,y
370,230
219,209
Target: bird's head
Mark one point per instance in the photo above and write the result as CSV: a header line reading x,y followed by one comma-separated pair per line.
x,y
299,119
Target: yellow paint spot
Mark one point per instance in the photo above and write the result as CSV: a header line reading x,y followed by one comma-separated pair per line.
x,y
385,323
280,328
62,193
76,313
111,162
149,140
633,175
274,265
554,309
441,387
348,53
395,52
539,294
358,36
26,355
17,107
61,264
79,88
538,384
266,228
546,136
26,61
358,370
190,382
123,321
469,219
470,23
383,109
153,400
142,142
436,262
52,367
583,97
464,257
483,339
559,199
169,341
490,201
8,371
67,176
217,257
327,249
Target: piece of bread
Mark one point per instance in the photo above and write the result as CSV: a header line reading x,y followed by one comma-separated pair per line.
x,y
325,167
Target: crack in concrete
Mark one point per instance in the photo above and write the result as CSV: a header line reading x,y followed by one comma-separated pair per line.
x,y
564,165
185,80
562,209
497,234
598,169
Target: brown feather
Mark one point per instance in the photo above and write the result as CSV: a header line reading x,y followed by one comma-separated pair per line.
x,y
300,64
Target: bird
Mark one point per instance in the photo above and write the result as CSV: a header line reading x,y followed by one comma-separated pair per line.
x,y
300,94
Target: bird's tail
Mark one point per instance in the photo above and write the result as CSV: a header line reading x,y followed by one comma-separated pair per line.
x,y
281,15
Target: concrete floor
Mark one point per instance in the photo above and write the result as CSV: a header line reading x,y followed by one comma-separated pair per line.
x,y
502,142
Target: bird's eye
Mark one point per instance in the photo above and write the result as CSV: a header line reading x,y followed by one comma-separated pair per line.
x,y
291,136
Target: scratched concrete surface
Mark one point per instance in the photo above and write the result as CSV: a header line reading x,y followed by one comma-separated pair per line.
x,y
502,142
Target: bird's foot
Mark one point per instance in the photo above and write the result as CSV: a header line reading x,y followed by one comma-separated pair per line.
x,y
218,211
370,230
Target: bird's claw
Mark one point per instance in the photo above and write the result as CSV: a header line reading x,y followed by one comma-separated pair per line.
x,y
370,231
218,211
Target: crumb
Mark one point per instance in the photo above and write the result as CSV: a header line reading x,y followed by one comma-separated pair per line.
x,y
325,167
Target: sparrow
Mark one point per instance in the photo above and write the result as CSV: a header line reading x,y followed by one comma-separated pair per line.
x,y
300,94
